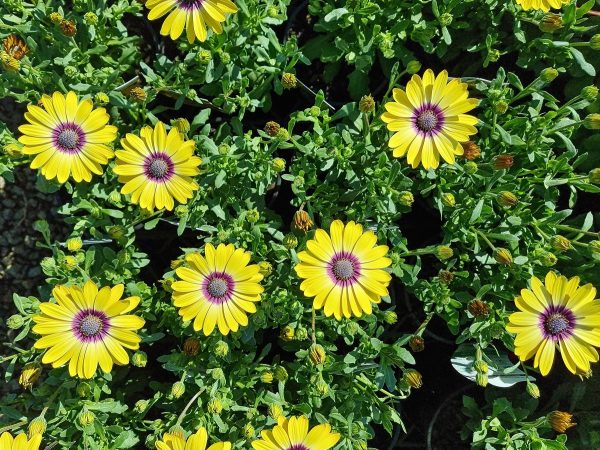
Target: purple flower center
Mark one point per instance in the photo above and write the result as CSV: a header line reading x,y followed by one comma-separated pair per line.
x,y
557,322
428,119
298,447
190,4
68,138
344,268
90,325
218,287
159,167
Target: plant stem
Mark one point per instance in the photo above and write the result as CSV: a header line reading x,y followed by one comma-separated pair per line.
x,y
314,326
189,404
484,237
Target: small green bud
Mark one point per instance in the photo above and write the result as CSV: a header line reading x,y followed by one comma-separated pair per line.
x,y
15,322
592,121
55,18
595,246
283,135
273,12
181,124
481,366
36,426
181,211
560,243
445,19
406,198
101,98
178,389
86,417
471,167
204,56
443,252
595,42
265,268
366,104
317,354
225,57
140,406
139,359
413,67
481,379
503,256
390,317
114,197
280,374
278,165
221,349
116,232
90,18
275,411
252,215
224,149
71,71
548,74
448,200
83,389
215,406
501,107
70,262
301,334
218,374
289,81
74,244
248,431
290,241
315,111
266,377
550,23
322,388
287,333
507,199
589,93
533,390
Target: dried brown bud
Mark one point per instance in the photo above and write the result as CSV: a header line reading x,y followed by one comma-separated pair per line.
x,y
472,150
416,343
302,221
503,162
478,308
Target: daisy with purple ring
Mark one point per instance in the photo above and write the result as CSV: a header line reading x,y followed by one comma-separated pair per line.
x,y
344,270
557,314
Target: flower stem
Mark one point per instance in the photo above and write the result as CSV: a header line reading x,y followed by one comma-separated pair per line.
x,y
484,237
189,404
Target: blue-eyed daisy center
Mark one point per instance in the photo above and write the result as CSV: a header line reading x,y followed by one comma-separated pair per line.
x,y
158,168
298,447
556,323
190,4
68,139
91,325
343,269
218,287
427,120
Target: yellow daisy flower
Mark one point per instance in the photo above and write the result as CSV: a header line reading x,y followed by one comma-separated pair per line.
x,y
293,434
20,442
69,137
557,314
193,15
343,270
87,327
157,167
196,441
429,120
542,5
219,289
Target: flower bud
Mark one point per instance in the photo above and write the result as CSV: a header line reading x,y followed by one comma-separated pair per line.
x,y
548,74
507,199
55,18
83,389
204,56
30,374
283,134
560,243
178,389
502,162
533,390
446,276
290,241
137,94
503,256
68,28
177,430
595,246
448,200
500,107
140,406
116,232
280,374
182,125
390,317
550,23
287,333
478,308
248,431
101,98
366,104
74,244
445,19
90,18
471,150
317,354
15,322
481,379
413,378
589,93
413,67
278,165
594,176
301,334
481,366
265,268
302,221
13,150
592,121
36,426
252,215
322,388
416,343
139,359
221,349
561,421
289,81
360,445
595,42
443,252
471,167
86,417
406,198
70,262
275,411
272,128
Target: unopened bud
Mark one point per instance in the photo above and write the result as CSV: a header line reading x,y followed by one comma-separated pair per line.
x,y
560,243
507,199
317,354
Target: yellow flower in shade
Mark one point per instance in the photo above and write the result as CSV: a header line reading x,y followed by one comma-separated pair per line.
x,y
343,270
542,5
197,441
20,442
69,137
157,168
15,47
87,327
219,289
557,314
429,120
293,434
192,15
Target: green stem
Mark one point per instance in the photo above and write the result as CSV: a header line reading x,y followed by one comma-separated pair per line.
x,y
423,251
13,426
485,238
576,230
189,404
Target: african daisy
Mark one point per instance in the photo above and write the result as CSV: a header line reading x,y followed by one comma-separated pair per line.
x,y
20,442
542,5
294,434
197,441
